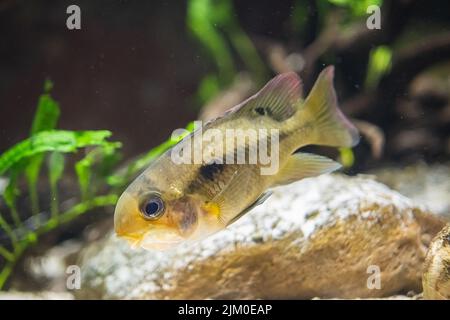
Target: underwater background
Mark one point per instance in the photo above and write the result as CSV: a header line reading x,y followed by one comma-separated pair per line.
x,y
83,111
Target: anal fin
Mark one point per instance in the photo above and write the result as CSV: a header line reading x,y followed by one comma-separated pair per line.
x,y
304,165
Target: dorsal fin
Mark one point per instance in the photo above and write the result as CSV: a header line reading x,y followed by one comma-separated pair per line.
x,y
278,99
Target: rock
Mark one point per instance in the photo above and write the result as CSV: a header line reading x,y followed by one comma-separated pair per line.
x,y
395,297
48,271
436,275
43,295
428,185
315,238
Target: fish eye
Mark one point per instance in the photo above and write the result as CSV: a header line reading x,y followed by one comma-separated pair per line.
x,y
152,208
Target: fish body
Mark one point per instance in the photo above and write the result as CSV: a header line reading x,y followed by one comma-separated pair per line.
x,y
172,202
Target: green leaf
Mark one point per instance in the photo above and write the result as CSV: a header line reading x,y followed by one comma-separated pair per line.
x,y
27,157
53,140
84,167
209,87
11,192
32,174
357,7
203,17
347,158
299,16
83,170
45,118
56,169
380,61
48,85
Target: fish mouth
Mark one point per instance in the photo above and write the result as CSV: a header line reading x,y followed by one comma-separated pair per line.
x,y
160,240
160,245
133,240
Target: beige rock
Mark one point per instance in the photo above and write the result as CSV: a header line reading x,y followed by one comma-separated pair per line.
x,y
315,238
426,184
436,276
41,295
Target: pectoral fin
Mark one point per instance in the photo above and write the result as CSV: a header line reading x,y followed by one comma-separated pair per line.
x,y
223,204
304,165
258,201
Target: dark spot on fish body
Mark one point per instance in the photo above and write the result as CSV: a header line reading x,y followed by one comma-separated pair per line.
x,y
261,111
275,114
210,171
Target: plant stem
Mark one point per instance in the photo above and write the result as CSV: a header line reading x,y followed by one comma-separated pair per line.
x,y
8,267
247,51
65,217
15,216
34,199
54,201
100,201
79,209
5,226
6,271
9,256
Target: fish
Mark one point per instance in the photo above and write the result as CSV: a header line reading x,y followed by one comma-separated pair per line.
x,y
174,203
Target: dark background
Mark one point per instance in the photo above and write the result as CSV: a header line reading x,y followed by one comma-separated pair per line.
x,y
134,67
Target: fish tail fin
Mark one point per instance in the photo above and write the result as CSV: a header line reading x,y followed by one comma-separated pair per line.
x,y
321,114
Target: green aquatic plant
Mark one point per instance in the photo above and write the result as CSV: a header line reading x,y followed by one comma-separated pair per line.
x,y
346,157
25,160
99,180
357,7
46,118
218,31
380,61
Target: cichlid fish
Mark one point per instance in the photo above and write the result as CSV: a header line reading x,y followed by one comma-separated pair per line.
x,y
171,203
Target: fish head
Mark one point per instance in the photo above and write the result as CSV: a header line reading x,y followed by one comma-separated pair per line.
x,y
155,219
